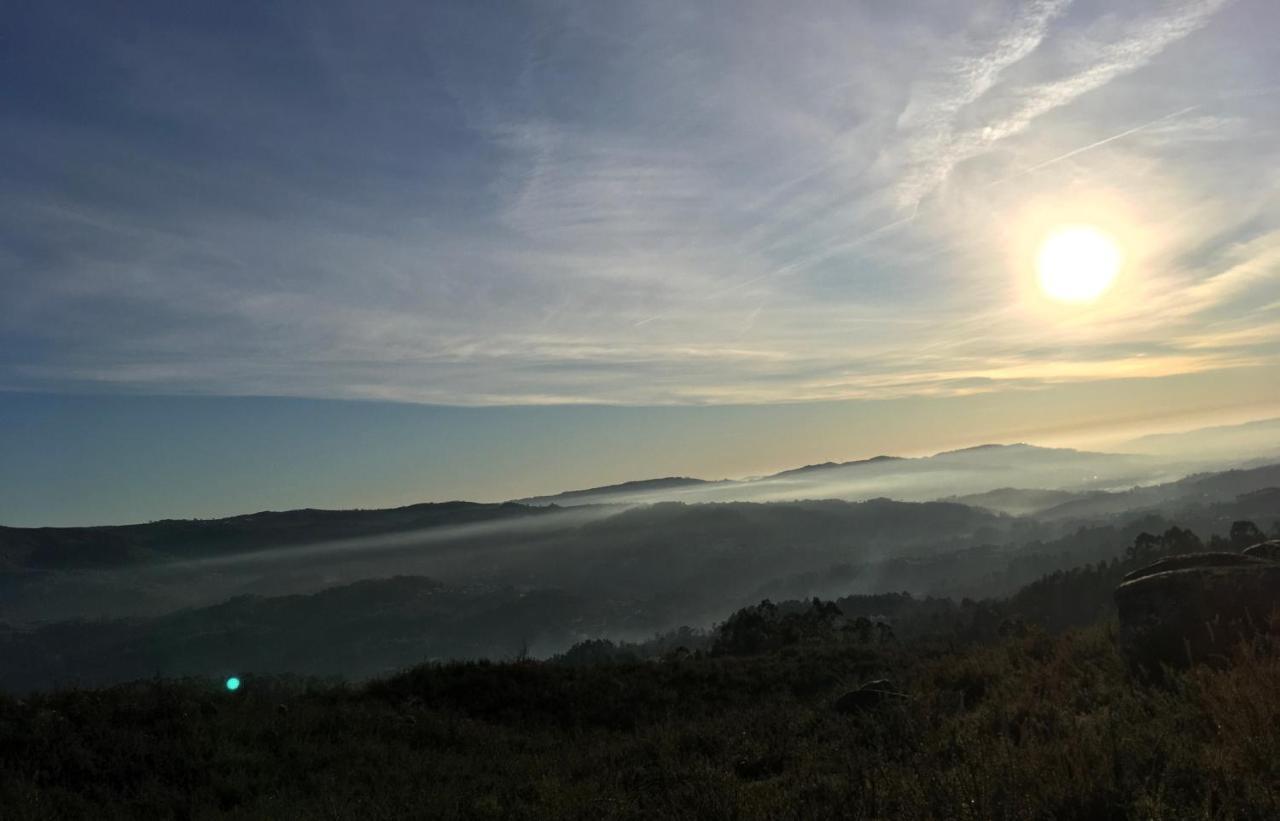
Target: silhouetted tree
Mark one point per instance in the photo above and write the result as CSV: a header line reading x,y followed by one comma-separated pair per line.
x,y
1246,534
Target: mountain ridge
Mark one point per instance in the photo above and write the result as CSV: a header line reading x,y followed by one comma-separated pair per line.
x,y
635,485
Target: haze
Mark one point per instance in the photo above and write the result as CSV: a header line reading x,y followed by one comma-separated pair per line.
x,y
713,240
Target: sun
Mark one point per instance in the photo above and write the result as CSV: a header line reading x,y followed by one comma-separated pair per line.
x,y
1077,263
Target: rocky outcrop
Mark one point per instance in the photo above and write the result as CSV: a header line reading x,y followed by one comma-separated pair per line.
x,y
1267,550
868,697
1196,608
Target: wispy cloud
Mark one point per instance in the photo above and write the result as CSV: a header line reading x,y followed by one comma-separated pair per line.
x,y
1094,58
655,203
930,119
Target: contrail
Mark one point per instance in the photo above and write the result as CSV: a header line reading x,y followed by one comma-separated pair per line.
x,y
1093,145
1257,92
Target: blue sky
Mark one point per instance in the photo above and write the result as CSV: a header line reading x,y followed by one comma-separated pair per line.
x,y
644,205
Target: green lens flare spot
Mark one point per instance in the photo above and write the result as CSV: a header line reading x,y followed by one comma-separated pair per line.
x,y
233,684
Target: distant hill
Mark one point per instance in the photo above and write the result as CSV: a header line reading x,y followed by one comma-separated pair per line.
x,y
999,448
1019,449
1018,453
1018,501
874,460
1002,471
1053,484
978,469
601,494
51,548
1204,488
1251,440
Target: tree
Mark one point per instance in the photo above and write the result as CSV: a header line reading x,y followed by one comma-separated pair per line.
x,y
1246,534
1144,548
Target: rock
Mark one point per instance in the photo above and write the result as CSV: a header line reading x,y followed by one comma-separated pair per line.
x,y
1265,550
869,696
1189,560
1194,608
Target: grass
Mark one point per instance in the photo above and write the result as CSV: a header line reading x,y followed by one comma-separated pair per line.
x,y
1034,726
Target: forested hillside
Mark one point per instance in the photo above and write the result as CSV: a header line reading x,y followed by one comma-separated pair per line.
x,y
1013,708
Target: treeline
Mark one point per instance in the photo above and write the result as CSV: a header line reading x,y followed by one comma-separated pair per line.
x,y
1056,601
1082,595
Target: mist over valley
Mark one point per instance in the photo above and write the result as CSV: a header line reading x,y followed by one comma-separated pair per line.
x,y
360,593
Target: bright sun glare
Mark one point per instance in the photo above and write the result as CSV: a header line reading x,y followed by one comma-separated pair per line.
x,y
1077,263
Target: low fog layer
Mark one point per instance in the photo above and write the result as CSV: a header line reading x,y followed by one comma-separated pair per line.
x,y
1259,440
972,470
304,591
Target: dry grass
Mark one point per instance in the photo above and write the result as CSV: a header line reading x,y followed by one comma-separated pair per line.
x,y
1029,727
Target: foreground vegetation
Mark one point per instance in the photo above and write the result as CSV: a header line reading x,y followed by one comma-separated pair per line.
x,y
1029,727
1002,719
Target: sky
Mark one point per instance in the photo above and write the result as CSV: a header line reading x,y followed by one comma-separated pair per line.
x,y
347,253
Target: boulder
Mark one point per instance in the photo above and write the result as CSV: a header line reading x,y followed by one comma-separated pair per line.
x,y
1190,560
1195,608
1265,550
869,696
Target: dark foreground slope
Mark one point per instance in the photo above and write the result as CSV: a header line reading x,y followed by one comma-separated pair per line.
x,y
995,717
1027,727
